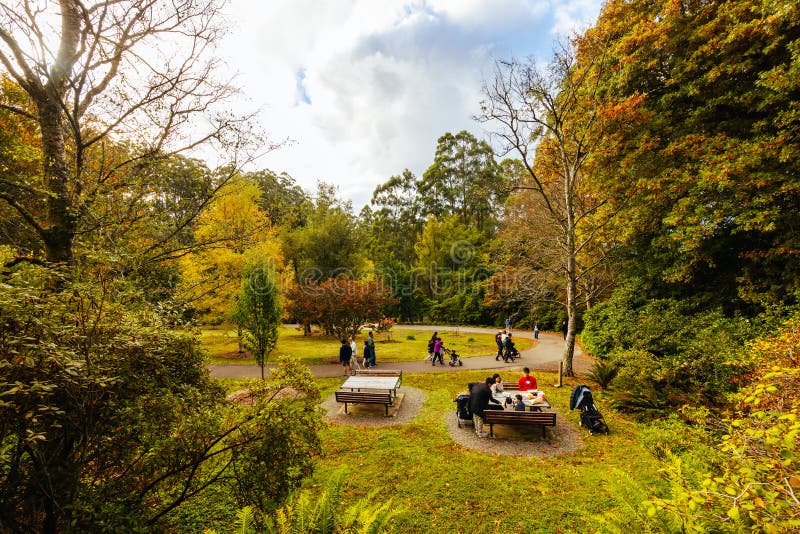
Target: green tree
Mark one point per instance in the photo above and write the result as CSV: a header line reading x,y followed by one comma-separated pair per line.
x,y
450,264
329,244
397,217
464,181
258,310
708,163
109,421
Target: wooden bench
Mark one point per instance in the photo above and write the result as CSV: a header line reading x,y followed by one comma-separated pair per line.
x,y
382,372
364,397
496,417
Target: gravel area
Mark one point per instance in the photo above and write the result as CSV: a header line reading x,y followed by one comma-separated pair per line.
x,y
564,438
373,416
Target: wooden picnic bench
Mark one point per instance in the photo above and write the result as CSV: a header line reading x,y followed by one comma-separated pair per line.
x,y
364,397
497,417
382,372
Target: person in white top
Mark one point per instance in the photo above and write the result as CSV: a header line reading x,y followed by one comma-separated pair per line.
x,y
497,387
354,348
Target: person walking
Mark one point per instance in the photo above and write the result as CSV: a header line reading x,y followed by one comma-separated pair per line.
x,y
438,348
564,328
354,357
508,324
345,353
536,330
369,351
498,339
431,342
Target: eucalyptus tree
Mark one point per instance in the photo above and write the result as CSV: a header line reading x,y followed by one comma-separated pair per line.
x,y
464,180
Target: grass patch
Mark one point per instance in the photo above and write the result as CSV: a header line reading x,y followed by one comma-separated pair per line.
x,y
221,345
443,487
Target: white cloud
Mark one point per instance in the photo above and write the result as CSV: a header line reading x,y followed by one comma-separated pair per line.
x,y
366,88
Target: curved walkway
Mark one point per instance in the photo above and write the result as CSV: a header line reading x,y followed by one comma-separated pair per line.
x,y
544,356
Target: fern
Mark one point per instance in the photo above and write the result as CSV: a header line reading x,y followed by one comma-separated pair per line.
x,y
603,373
311,512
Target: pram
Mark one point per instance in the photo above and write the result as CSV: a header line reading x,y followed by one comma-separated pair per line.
x,y
511,353
463,414
591,418
454,358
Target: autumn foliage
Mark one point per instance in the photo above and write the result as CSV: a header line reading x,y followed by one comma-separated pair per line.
x,y
339,306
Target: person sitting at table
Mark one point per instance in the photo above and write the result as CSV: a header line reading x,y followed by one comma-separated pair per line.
x,y
479,398
519,406
497,384
526,381
345,353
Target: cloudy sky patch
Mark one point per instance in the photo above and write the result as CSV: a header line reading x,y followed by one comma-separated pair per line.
x,y
364,89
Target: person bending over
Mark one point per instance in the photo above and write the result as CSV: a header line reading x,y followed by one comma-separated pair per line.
x,y
479,398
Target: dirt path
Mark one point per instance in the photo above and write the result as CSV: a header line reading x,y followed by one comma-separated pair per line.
x,y
544,356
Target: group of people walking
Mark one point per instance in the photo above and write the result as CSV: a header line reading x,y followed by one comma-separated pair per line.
x,y
505,346
435,349
348,354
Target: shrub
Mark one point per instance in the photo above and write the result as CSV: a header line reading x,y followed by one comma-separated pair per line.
x,y
470,340
410,337
121,406
603,373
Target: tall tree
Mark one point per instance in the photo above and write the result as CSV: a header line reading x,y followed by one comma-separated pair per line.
x,y
463,180
396,218
550,117
131,72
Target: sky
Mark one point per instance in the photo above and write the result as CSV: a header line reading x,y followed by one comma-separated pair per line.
x,y
362,89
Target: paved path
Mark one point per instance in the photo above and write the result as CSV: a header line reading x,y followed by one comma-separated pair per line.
x,y
544,356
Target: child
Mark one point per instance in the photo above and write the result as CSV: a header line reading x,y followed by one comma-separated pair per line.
x,y
519,406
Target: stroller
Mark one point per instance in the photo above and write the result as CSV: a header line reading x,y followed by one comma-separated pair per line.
x,y
591,418
454,358
511,353
463,414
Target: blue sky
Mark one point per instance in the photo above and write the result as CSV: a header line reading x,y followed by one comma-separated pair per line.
x,y
364,88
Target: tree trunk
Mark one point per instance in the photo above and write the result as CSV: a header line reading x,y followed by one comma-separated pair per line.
x,y
571,276
61,226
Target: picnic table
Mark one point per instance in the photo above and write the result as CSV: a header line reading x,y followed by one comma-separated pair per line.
x,y
360,389
533,407
388,384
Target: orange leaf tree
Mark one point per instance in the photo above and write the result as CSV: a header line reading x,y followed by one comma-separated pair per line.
x,y
339,305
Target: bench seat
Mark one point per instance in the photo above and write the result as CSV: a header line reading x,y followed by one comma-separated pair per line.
x,y
364,397
497,417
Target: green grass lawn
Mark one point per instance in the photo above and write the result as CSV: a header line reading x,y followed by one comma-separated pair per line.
x,y
221,345
443,487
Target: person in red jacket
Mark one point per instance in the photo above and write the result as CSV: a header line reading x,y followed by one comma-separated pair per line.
x,y
526,381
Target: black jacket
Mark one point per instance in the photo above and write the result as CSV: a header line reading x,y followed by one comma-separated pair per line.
x,y
479,398
345,353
